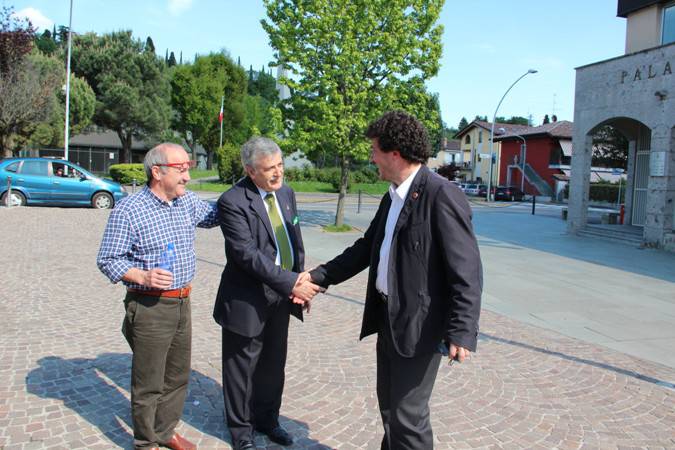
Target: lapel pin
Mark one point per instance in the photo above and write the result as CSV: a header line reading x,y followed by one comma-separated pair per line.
x,y
415,195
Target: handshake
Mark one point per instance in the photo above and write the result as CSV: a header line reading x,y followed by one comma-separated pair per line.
x,y
304,291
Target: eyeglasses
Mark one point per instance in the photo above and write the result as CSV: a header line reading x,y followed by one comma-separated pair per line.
x,y
181,166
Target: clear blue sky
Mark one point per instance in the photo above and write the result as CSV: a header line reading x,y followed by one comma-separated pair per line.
x,y
488,44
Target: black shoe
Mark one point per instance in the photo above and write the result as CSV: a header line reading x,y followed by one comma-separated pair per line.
x,y
244,445
278,435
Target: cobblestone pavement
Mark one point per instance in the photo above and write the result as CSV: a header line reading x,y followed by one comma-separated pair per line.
x,y
64,365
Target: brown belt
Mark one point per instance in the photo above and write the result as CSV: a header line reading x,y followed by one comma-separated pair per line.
x,y
183,292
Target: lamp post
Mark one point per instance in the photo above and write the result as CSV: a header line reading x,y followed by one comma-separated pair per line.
x,y
492,131
67,125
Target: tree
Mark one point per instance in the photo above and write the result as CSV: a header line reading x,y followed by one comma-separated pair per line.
x,y
45,43
463,123
262,84
610,148
196,92
172,60
348,62
82,104
16,39
513,120
132,92
546,120
149,45
26,99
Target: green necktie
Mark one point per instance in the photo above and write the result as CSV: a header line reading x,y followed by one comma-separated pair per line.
x,y
279,233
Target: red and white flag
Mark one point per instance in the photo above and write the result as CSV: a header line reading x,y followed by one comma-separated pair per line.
x,y
220,116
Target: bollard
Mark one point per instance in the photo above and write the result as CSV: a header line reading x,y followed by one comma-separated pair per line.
x,y
8,202
133,186
534,202
622,213
358,208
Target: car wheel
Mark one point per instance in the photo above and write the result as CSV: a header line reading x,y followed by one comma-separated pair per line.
x,y
102,200
17,199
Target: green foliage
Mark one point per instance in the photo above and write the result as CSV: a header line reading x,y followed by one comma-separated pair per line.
x,y
513,120
348,62
262,84
606,192
261,118
126,173
229,163
45,43
331,175
462,124
610,148
337,228
132,91
196,97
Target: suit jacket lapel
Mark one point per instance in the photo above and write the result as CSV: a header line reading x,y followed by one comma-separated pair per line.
x,y
416,190
258,206
287,212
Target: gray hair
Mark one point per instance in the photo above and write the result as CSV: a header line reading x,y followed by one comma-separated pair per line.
x,y
256,147
155,156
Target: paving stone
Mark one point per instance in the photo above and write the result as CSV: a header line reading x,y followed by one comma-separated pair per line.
x,y
64,365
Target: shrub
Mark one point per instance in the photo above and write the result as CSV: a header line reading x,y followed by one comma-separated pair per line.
x,y
229,163
126,173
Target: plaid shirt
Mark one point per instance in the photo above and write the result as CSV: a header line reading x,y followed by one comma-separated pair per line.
x,y
141,226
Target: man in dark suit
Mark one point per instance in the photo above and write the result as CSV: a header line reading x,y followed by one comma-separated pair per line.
x,y
424,282
265,256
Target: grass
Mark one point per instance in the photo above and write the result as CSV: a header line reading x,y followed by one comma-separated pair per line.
x,y
197,173
335,229
301,186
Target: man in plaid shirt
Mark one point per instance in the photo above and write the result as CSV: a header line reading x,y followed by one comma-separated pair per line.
x,y
157,324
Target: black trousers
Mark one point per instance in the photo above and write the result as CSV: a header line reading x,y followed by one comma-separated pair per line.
x,y
253,376
404,388
159,331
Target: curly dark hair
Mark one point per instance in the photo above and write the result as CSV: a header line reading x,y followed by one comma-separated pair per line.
x,y
398,130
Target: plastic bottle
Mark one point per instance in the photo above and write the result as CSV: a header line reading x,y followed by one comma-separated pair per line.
x,y
168,257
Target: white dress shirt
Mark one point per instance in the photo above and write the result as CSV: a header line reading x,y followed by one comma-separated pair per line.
x,y
263,194
398,196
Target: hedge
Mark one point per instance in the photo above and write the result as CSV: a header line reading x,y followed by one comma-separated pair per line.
x,y
126,173
603,192
331,175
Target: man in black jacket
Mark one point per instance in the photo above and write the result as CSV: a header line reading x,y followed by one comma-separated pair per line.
x,y
265,256
424,282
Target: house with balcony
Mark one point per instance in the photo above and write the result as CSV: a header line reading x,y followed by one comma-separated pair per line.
x,y
634,93
449,153
537,159
475,147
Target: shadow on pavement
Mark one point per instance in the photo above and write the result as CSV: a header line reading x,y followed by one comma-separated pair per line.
x,y
576,359
98,389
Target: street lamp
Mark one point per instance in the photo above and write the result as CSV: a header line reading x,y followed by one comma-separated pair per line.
x,y
492,130
523,158
66,131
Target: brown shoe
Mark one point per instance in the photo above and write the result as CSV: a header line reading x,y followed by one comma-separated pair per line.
x,y
178,442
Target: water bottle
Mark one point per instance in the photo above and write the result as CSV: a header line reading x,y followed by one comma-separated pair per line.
x,y
168,257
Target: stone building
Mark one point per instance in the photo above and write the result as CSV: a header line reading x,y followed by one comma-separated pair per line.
x,y
635,93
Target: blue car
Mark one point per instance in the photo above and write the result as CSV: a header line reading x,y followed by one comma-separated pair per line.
x,y
47,181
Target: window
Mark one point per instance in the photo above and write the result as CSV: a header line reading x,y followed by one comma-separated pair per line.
x,y
480,137
467,139
34,168
668,24
12,167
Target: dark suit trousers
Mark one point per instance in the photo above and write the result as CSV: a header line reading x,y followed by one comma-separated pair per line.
x,y
253,375
159,331
404,388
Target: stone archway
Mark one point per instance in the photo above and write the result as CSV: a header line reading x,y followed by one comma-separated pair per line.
x,y
639,137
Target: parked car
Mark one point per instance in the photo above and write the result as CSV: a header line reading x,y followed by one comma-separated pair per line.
x,y
508,193
476,189
47,181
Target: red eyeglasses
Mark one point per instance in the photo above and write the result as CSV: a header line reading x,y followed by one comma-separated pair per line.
x,y
181,166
